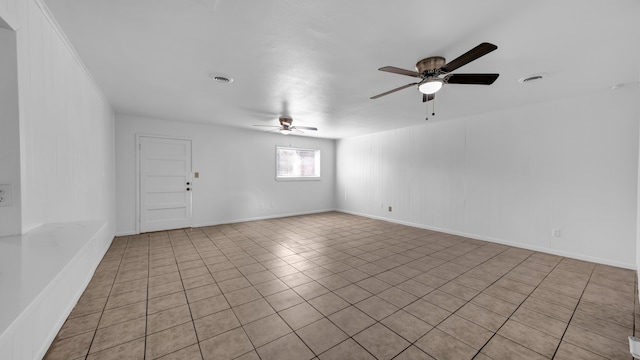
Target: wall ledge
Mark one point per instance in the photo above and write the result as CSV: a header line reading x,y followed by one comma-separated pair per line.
x,y
7,20
42,275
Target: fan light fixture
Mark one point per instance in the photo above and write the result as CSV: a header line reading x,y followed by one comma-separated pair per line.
x,y
430,87
285,131
435,71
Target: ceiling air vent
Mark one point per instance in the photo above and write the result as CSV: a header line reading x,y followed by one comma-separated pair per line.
x,y
532,78
220,78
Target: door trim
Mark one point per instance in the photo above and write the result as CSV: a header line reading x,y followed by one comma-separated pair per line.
x,y
138,206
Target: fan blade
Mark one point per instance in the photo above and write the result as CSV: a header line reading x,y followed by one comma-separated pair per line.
x,y
429,97
471,79
392,91
304,128
395,70
273,126
471,55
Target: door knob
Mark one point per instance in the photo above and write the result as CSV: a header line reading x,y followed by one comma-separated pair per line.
x,y
188,189
188,183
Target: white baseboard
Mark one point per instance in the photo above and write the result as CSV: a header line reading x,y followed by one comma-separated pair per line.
x,y
266,217
239,220
500,241
421,226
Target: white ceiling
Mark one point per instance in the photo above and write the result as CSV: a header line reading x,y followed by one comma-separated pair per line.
x,y
317,60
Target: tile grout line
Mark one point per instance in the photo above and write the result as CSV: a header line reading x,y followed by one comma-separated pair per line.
x,y
270,305
411,343
185,293
574,312
636,304
255,349
223,294
502,275
518,306
371,241
349,337
449,261
391,286
175,258
107,300
305,301
146,308
469,301
275,313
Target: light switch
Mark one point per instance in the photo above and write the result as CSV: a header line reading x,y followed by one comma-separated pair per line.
x,y
196,174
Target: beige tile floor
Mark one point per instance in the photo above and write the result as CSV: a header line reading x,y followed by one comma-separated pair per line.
x,y
338,286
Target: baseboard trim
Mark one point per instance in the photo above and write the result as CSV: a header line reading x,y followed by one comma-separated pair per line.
x,y
125,233
267,217
239,220
498,241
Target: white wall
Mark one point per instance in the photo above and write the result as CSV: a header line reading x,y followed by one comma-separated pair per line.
x,y
509,176
237,172
9,133
66,128
61,143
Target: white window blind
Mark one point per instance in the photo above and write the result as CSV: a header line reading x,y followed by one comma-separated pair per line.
x,y
297,164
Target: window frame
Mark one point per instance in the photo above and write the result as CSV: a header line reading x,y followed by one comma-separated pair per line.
x,y
317,157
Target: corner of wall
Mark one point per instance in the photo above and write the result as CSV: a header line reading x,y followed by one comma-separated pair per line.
x,y
11,209
638,210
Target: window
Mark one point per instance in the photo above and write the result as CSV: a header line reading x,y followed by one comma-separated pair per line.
x,y
297,164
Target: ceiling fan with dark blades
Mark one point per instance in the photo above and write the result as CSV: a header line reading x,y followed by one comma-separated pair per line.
x,y
434,72
286,128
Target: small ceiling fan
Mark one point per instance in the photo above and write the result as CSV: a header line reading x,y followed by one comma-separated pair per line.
x,y
286,128
433,72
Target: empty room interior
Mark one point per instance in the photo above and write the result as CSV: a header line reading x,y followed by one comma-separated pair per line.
x,y
280,179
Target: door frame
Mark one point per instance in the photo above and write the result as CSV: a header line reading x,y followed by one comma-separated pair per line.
x,y
138,205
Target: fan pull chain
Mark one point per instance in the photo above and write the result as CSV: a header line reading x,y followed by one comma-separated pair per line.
x,y
434,107
427,117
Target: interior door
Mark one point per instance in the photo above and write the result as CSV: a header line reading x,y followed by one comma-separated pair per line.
x,y
165,183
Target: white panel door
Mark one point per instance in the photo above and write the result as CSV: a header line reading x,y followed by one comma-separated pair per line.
x,y
165,183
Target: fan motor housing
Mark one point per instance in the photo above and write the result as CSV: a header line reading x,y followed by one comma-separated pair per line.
x,y
430,65
286,121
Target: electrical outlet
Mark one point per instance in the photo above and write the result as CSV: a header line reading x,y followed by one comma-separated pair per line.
x,y
5,195
390,209
555,232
